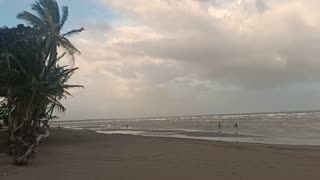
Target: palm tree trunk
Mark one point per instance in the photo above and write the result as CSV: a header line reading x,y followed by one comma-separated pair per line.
x,y
9,100
36,119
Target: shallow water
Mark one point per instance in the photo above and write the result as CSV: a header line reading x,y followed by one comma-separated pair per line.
x,y
275,128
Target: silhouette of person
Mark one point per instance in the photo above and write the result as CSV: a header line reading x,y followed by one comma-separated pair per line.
x,y
236,127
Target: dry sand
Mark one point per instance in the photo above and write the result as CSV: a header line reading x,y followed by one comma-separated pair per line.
x,y
85,155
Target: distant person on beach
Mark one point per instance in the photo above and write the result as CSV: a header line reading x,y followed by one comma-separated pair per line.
x,y
219,125
126,126
236,127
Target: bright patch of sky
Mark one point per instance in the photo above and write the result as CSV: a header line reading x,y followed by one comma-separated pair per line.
x,y
80,12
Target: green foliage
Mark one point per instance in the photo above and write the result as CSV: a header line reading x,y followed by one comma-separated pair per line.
x,y
31,80
20,54
49,21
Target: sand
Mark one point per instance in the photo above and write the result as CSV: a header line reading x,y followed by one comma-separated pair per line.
x,y
86,155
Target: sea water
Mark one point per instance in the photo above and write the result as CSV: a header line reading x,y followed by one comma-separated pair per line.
x,y
294,128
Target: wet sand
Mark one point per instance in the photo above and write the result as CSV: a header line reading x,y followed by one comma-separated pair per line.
x,y
82,155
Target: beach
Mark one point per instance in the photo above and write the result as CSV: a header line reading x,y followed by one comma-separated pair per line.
x,y
83,154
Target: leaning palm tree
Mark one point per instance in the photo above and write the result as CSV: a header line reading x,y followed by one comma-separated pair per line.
x,y
34,94
50,23
39,82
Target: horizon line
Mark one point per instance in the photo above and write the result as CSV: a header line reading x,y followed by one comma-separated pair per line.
x,y
220,114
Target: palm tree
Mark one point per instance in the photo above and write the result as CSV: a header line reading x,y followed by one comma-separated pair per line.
x,y
34,94
39,82
49,21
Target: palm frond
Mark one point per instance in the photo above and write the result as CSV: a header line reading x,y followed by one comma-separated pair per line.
x,y
67,92
73,32
66,74
18,63
64,17
49,20
39,10
61,56
51,8
71,49
59,107
55,11
31,19
56,104
66,86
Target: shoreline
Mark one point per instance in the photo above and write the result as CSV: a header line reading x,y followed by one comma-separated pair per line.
x,y
209,136
84,154
293,129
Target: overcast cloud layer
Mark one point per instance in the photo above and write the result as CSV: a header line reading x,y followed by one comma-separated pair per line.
x,y
177,57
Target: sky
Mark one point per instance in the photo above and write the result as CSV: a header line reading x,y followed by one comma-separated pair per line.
x,y
143,58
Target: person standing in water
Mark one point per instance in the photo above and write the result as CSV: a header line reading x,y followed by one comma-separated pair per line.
x,y
236,126
220,127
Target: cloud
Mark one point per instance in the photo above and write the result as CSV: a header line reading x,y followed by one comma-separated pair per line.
x,y
249,43
209,53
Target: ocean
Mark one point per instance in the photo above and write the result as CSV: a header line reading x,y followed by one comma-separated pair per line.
x,y
293,128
